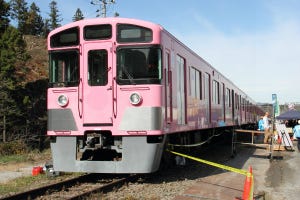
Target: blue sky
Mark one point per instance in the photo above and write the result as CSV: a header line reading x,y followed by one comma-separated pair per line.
x,y
256,43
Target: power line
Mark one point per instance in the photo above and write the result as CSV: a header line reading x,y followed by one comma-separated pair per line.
x,y
102,4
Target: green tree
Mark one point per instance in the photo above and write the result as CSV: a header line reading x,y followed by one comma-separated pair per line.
x,y
4,16
34,22
35,112
78,15
54,16
46,29
12,59
19,12
12,56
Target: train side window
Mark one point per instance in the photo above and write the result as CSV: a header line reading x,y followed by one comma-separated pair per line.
x,y
236,99
97,68
216,92
227,96
192,82
240,102
198,85
195,83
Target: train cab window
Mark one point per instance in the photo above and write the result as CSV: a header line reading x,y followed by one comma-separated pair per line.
x,y
69,37
133,33
98,32
97,68
141,65
64,68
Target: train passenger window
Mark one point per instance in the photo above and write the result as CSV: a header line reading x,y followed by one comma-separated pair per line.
x,y
69,37
236,100
133,33
227,98
195,83
139,65
216,92
97,32
97,68
64,68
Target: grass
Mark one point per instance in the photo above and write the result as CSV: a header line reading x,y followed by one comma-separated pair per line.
x,y
29,182
20,184
12,159
32,156
13,162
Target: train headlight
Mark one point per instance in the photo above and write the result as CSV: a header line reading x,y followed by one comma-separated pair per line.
x,y
62,100
135,98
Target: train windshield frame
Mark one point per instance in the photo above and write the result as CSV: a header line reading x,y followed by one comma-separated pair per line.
x,y
64,68
139,65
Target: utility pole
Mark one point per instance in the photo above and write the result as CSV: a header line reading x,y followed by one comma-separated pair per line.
x,y
102,4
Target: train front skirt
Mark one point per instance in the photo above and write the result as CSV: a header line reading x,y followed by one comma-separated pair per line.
x,y
138,156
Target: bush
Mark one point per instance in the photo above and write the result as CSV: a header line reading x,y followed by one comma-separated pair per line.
x,y
13,148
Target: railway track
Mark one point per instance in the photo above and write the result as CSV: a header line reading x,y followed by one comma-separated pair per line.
x,y
164,184
76,188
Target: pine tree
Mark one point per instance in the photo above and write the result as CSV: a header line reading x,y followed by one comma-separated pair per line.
x,y
12,58
46,29
78,15
19,12
34,22
4,16
54,16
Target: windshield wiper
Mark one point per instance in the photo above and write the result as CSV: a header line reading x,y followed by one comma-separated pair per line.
x,y
124,69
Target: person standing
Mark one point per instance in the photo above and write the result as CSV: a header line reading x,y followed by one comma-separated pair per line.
x,y
266,127
296,131
261,124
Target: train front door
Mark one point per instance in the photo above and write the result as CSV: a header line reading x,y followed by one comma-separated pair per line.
x,y
96,82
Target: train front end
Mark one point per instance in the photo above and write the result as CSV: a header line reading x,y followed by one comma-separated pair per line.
x,y
105,96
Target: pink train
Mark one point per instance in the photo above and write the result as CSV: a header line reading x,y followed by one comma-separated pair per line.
x,y
120,90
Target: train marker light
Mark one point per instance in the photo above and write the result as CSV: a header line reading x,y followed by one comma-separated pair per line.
x,y
62,100
135,98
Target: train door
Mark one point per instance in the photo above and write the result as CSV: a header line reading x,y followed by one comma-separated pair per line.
x,y
97,105
181,97
207,97
168,89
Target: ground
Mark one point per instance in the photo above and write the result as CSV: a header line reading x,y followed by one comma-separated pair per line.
x,y
14,170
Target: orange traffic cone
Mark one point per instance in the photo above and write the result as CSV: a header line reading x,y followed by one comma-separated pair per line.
x,y
248,186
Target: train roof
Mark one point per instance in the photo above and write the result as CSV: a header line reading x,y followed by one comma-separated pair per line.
x,y
108,20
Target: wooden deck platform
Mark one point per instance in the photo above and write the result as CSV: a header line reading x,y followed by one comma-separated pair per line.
x,y
253,132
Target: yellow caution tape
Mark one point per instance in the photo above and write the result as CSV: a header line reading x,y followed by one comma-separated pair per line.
x,y
232,169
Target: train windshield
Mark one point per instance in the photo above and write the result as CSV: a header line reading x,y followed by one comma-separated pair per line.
x,y
139,65
64,68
